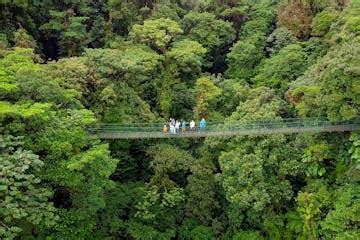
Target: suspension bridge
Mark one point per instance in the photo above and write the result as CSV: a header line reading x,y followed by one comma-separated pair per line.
x,y
224,129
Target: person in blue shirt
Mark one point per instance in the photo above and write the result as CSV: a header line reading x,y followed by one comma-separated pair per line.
x,y
202,124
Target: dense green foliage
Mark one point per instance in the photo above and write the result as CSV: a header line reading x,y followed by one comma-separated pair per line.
x,y
65,65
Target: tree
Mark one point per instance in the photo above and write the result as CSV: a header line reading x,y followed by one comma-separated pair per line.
x,y
255,172
201,201
167,10
24,202
233,92
175,99
339,221
278,39
206,93
187,55
321,96
158,208
296,15
355,149
122,15
248,51
346,27
111,100
322,21
157,33
79,168
279,70
251,235
202,233
127,72
9,65
97,33
207,30
23,39
312,203
237,15
76,167
214,34
69,29
244,55
4,43
167,160
134,65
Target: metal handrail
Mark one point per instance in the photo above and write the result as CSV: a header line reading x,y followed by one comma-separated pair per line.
x,y
316,125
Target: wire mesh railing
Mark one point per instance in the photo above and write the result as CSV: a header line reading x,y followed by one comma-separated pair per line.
x,y
226,128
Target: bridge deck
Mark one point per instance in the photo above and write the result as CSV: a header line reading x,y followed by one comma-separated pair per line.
x,y
283,126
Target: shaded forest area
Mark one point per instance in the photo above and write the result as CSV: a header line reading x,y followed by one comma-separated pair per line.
x,y
65,65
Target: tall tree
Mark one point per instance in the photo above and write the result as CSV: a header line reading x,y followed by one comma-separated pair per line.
x,y
157,33
24,202
206,94
69,29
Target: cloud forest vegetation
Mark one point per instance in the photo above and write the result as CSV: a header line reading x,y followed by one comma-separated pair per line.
x,y
66,65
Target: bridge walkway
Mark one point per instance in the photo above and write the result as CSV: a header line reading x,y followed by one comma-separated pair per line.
x,y
225,129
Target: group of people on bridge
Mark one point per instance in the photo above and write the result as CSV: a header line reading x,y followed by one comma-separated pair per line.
x,y
176,125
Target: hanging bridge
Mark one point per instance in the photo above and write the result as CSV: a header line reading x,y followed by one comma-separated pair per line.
x,y
224,129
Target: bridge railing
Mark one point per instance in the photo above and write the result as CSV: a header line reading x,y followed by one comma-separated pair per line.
x,y
225,126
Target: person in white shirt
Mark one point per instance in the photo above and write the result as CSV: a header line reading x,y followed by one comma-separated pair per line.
x,y
172,129
192,125
177,127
